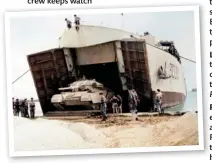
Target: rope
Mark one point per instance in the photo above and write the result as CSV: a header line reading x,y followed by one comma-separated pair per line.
x,y
21,76
188,59
179,56
29,69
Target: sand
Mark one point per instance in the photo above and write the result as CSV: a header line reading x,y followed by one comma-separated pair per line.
x,y
180,131
43,134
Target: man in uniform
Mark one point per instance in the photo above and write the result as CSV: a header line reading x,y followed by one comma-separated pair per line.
x,y
69,23
32,108
14,111
103,106
22,109
26,113
158,100
17,107
133,102
114,100
119,103
77,20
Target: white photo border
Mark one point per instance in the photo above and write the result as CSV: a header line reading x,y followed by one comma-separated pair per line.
x,y
12,14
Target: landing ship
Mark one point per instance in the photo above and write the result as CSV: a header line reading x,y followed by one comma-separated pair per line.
x,y
120,60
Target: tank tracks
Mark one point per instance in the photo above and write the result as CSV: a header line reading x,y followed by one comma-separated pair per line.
x,y
59,106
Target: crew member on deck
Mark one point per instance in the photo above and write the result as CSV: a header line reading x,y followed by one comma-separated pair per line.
x,y
69,23
77,20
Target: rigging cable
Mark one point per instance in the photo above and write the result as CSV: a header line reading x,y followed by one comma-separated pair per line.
x,y
21,76
188,59
29,69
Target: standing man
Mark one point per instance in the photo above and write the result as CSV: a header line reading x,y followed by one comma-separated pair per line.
x,y
103,106
158,100
32,108
114,101
76,20
119,103
133,101
17,107
69,23
131,104
22,108
14,111
26,108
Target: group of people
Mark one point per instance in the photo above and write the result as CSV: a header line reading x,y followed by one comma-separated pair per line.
x,y
76,21
116,102
133,102
24,107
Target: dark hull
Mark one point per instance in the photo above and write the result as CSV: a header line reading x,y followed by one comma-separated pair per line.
x,y
172,99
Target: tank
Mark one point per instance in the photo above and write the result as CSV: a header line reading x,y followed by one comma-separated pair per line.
x,y
81,93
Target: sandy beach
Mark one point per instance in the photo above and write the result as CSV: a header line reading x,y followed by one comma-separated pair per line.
x,y
117,132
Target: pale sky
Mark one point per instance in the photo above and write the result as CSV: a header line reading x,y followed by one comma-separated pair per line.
x,y
33,34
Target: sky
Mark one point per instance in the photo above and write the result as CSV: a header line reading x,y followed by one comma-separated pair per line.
x,y
32,34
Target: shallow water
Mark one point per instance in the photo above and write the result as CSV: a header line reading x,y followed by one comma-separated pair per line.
x,y
189,105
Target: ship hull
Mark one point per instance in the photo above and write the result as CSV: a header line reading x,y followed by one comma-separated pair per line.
x,y
170,80
175,100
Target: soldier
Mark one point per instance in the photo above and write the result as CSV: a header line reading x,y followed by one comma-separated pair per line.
x,y
158,100
32,108
17,107
133,102
22,108
77,20
114,101
14,111
69,23
103,106
119,103
26,108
